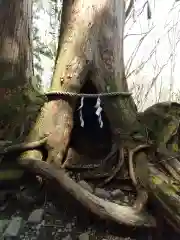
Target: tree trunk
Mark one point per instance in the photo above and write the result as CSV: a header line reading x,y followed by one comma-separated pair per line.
x,y
15,67
81,44
108,65
80,47
77,56
17,108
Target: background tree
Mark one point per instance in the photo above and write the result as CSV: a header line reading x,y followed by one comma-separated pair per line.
x,y
16,65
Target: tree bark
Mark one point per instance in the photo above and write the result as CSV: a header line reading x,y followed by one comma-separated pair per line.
x,y
81,46
76,58
108,66
15,67
17,106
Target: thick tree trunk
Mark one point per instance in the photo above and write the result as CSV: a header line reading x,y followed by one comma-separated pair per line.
x,y
56,119
108,65
17,110
93,30
81,46
76,50
76,57
15,67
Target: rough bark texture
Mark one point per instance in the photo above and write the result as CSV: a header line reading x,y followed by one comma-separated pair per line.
x,y
108,65
17,106
92,30
71,68
15,68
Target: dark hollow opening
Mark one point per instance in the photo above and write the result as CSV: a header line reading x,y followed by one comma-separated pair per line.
x,y
91,139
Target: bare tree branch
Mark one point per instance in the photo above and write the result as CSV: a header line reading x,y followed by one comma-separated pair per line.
x,y
129,8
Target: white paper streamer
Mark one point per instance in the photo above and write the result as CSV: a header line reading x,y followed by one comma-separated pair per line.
x,y
98,111
80,112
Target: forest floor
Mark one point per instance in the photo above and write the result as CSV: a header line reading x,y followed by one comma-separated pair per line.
x,y
55,215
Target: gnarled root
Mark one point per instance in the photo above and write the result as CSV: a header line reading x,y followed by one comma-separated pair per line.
x,y
142,195
102,208
116,169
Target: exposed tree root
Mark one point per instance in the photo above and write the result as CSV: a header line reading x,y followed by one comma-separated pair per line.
x,y
135,216
91,176
112,153
89,167
142,195
141,200
131,165
116,169
102,208
20,147
86,167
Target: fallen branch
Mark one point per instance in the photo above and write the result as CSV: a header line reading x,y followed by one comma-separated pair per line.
x,y
102,208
